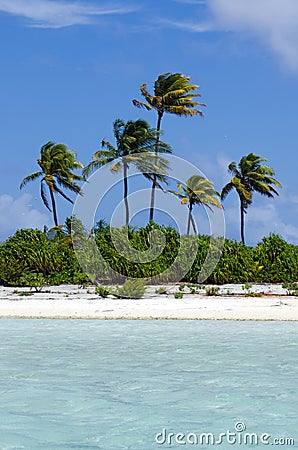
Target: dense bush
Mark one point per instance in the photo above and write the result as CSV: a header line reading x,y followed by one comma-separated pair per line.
x,y
29,251
278,258
33,255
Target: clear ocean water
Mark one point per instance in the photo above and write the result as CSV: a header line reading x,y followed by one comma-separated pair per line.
x,y
117,384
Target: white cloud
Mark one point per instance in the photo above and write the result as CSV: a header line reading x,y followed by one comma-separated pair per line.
x,y
189,26
19,213
58,14
214,167
273,22
261,220
191,2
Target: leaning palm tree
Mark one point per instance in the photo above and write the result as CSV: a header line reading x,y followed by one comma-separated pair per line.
x,y
198,190
248,176
173,94
56,162
135,141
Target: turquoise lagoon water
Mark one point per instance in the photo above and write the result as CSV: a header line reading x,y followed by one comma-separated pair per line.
x,y
117,384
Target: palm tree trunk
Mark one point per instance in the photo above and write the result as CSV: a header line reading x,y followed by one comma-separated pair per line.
x,y
125,193
189,219
193,224
152,201
242,221
54,207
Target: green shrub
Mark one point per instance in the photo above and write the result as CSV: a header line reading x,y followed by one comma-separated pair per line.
x,y
132,288
212,291
33,280
291,288
278,258
102,291
160,291
246,287
178,294
52,256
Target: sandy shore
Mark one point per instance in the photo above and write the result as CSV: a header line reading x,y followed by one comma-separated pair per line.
x,y
71,302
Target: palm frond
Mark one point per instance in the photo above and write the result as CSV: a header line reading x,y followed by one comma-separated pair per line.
x,y
145,93
226,190
44,196
33,176
140,105
57,189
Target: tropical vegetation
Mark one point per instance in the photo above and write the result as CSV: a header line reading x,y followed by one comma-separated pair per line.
x,y
250,176
173,94
35,258
198,190
57,163
134,142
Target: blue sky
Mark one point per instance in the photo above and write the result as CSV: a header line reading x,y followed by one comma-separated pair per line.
x,y
69,69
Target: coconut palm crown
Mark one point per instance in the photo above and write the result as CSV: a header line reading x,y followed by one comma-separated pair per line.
x,y
198,190
135,142
250,175
173,94
57,163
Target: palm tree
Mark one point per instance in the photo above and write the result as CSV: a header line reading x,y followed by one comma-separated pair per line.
x,y
56,162
198,190
173,94
248,176
134,142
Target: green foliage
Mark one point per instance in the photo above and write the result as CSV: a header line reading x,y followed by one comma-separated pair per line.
x,y
25,294
30,256
178,294
253,294
33,280
291,288
212,291
131,289
102,291
278,258
161,291
246,287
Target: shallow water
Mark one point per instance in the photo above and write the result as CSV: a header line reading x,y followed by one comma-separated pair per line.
x,y
116,384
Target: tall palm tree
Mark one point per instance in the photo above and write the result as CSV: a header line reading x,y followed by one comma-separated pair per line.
x,y
173,94
249,176
56,162
135,141
198,190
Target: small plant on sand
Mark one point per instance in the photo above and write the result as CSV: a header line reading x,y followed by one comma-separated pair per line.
x,y
249,293
33,280
161,290
246,287
291,288
132,288
212,291
178,295
253,294
181,287
194,288
102,291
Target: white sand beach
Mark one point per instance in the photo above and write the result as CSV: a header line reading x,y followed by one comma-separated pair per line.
x,y
72,302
